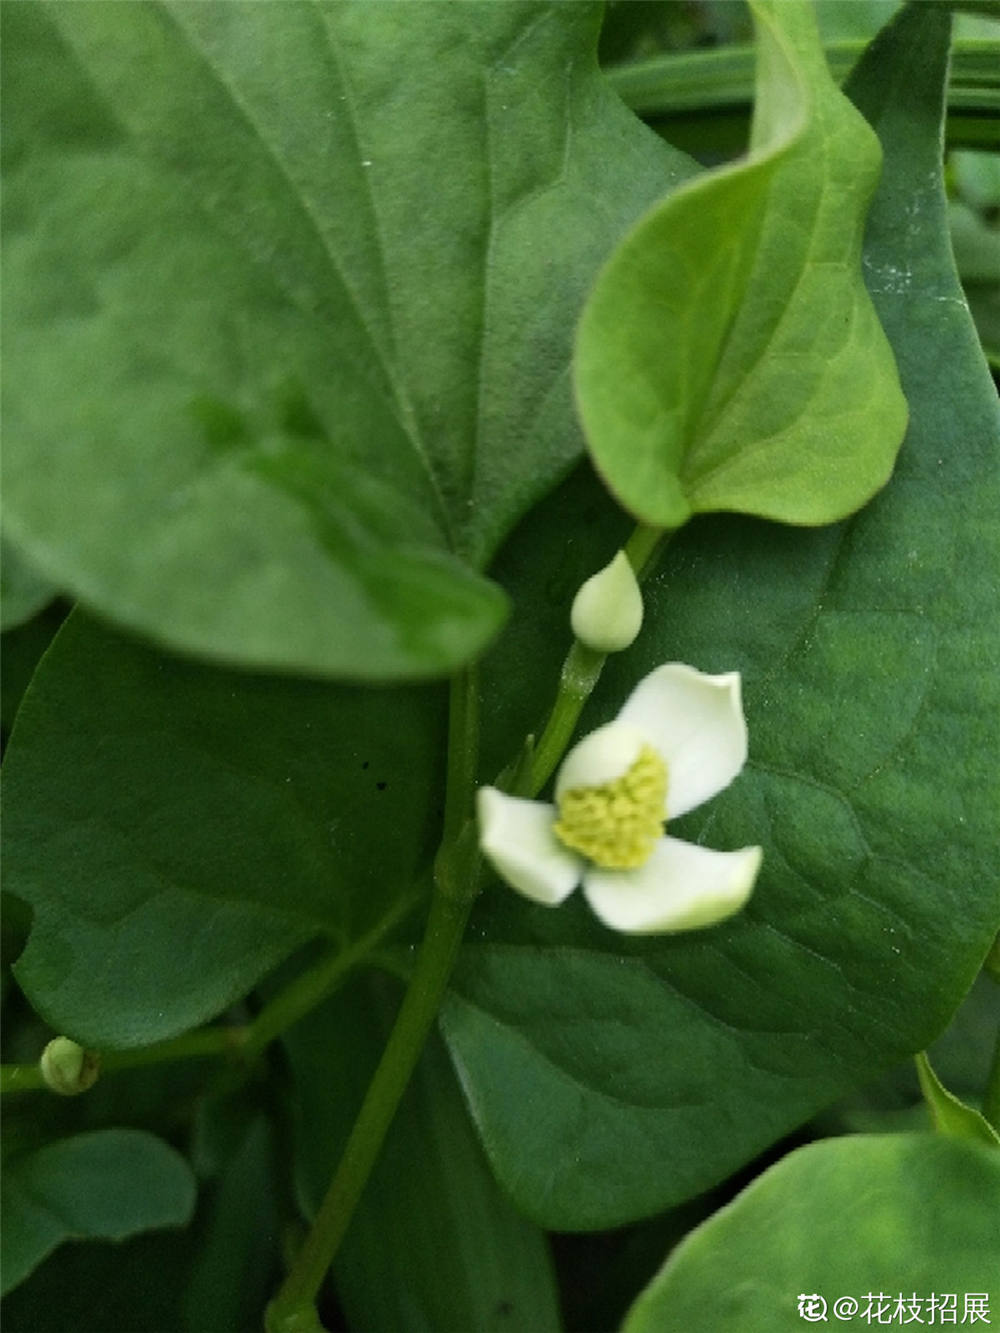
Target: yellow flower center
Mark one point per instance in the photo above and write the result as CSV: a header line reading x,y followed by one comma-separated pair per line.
x,y
618,823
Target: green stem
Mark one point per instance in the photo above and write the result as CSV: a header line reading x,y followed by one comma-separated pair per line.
x,y
645,547
414,1021
455,887
580,673
20,1078
202,1042
991,1096
247,1042
311,987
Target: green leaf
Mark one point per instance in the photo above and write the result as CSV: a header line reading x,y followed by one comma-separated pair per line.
x,y
178,829
906,1217
951,1115
20,654
23,591
235,1259
111,1183
729,356
961,1057
610,1077
461,1259
302,324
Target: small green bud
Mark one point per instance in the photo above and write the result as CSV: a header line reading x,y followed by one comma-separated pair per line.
x,y
607,611
67,1068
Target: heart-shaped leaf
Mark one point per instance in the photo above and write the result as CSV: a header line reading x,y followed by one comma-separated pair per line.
x,y
611,1077
287,336
729,356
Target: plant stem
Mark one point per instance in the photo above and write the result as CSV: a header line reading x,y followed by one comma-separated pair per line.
x,y
455,887
414,1021
645,547
314,985
20,1078
244,1043
581,672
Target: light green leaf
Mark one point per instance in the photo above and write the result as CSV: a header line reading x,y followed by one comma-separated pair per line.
x,y
288,338
110,1183
951,1115
178,829
729,356
907,1217
655,1068
23,591
461,1259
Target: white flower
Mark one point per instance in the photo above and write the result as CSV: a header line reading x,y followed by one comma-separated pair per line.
x,y
679,740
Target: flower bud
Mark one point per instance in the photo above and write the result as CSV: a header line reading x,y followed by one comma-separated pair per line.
x,y
607,611
67,1068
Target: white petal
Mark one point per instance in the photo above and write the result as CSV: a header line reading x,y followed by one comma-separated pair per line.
x,y
516,838
604,756
696,723
681,887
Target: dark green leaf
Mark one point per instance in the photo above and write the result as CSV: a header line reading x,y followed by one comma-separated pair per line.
x,y
178,830
961,1056
111,1183
906,1217
235,1260
288,338
610,1077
